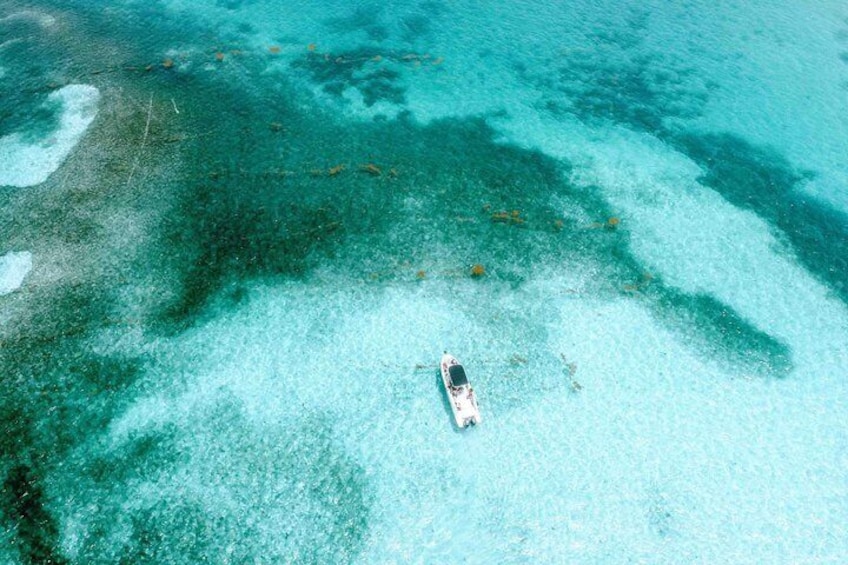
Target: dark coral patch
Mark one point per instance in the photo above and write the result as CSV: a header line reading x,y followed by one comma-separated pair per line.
x,y
763,181
374,73
24,508
717,331
239,229
639,92
616,79
38,64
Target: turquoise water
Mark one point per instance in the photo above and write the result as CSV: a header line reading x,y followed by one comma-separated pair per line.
x,y
237,236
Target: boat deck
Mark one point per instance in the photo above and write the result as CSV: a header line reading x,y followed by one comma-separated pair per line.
x,y
463,405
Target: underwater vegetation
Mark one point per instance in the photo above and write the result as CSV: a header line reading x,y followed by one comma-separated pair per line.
x,y
36,534
377,74
56,393
620,82
281,493
24,91
761,180
747,350
238,234
253,184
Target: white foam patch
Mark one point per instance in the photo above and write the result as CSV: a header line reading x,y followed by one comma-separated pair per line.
x,y
14,267
28,164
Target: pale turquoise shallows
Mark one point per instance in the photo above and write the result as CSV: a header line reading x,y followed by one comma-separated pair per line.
x,y
237,236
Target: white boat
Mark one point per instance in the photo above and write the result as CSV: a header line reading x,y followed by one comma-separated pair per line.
x,y
463,401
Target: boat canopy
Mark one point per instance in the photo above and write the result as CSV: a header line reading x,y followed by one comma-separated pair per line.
x,y
457,375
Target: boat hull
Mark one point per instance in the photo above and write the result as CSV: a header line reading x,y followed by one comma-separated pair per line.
x,y
462,399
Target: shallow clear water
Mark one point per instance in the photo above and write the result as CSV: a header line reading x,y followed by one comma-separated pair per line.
x,y
237,236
